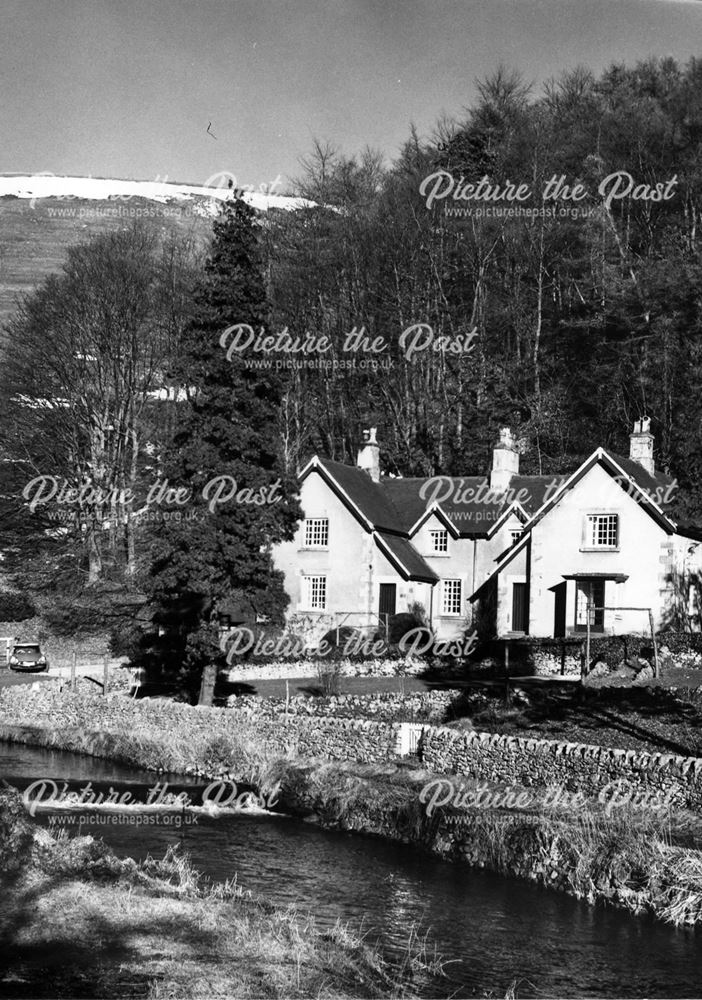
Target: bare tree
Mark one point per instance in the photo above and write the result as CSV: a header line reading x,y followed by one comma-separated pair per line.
x,y
88,356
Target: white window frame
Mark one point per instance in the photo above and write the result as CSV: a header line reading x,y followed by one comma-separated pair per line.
x,y
315,526
434,535
591,531
309,582
448,598
515,534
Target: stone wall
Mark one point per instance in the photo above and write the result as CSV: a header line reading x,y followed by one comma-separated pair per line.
x,y
47,707
575,766
530,657
509,760
347,667
338,739
415,706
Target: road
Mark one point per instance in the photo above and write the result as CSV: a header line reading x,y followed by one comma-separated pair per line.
x,y
8,678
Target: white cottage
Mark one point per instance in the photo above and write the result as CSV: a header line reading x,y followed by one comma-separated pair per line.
x,y
533,555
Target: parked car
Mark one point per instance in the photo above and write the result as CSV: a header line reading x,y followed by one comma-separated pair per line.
x,y
27,656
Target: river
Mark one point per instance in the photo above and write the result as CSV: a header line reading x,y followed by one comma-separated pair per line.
x,y
491,930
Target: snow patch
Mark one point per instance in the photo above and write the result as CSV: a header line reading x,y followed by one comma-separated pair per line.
x,y
37,186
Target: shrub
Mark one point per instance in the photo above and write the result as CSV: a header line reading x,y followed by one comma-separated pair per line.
x,y
329,672
337,640
401,625
15,832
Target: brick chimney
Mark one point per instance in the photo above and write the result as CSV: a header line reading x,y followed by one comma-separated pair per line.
x,y
505,461
369,455
641,445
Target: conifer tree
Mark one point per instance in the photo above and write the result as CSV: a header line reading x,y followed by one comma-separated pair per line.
x,y
237,501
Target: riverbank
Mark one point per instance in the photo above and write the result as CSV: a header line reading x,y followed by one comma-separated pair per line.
x,y
627,857
624,856
78,921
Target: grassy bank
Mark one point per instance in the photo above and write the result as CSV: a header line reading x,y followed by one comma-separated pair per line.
x,y
145,734
77,921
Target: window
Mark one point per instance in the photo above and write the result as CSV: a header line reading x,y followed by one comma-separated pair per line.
x,y
602,531
314,592
439,540
316,532
451,597
515,534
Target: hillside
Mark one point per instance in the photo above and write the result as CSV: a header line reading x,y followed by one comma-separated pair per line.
x,y
41,216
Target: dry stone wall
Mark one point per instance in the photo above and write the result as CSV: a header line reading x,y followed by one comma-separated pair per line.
x,y
391,706
575,766
509,760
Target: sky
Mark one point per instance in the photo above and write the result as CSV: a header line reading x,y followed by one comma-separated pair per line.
x,y
127,88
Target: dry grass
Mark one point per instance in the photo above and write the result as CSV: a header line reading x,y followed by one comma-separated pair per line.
x,y
76,920
243,754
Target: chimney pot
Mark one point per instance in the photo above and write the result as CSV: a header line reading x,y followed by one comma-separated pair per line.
x,y
369,455
641,445
505,461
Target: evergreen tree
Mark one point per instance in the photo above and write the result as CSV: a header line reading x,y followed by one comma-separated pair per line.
x,y
216,549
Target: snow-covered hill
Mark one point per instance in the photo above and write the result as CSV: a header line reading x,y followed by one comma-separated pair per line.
x,y
45,185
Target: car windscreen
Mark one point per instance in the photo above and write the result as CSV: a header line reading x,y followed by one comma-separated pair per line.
x,y
26,651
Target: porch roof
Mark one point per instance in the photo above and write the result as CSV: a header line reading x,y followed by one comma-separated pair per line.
x,y
403,555
617,577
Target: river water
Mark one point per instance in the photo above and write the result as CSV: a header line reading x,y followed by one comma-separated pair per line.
x,y
491,930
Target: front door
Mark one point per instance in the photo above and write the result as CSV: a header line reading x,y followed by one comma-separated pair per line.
x,y
589,593
520,615
386,602
560,592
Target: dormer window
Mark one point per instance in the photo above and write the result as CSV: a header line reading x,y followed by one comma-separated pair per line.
x,y
316,532
601,531
439,541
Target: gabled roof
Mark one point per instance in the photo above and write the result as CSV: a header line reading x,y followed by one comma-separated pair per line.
x,y
460,498
355,488
514,510
435,510
395,509
643,487
656,486
630,476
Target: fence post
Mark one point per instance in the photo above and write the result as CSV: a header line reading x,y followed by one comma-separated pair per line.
x,y
105,673
73,671
656,665
507,693
587,642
